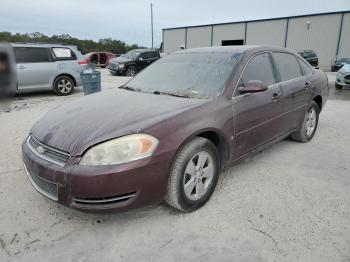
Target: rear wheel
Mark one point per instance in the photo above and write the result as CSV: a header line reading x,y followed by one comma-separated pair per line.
x,y
63,85
308,127
131,71
193,176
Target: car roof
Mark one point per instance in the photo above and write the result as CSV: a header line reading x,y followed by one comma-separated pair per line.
x,y
310,51
47,45
140,50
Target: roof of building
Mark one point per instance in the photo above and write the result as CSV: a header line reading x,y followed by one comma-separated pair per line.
x,y
258,20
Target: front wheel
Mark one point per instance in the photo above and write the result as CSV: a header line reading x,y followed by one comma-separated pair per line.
x,y
308,127
193,176
131,71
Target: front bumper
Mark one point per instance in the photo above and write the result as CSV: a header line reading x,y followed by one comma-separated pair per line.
x,y
115,69
340,80
98,188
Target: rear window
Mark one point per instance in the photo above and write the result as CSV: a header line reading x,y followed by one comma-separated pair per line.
x,y
63,53
304,67
32,55
153,54
287,65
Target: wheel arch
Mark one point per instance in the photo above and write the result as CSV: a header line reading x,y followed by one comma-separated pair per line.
x,y
217,138
220,142
318,100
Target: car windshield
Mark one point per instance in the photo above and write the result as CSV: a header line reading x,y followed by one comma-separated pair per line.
x,y
130,55
199,75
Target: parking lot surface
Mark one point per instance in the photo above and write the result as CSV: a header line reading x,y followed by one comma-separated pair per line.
x,y
290,202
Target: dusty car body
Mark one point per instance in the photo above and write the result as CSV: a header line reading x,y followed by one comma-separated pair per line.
x,y
236,121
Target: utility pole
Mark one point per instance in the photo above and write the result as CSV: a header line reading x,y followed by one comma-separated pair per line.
x,y
152,22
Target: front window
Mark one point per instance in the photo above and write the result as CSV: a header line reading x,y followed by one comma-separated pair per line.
x,y
131,55
198,75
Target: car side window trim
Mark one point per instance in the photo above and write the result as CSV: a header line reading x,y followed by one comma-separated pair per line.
x,y
245,66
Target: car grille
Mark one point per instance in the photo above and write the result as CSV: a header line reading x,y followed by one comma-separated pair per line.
x,y
113,66
45,187
347,77
104,201
48,153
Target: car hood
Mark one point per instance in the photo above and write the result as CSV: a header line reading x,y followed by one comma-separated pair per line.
x,y
77,125
345,69
120,59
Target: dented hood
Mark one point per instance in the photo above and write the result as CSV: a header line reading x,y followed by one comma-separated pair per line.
x,y
77,125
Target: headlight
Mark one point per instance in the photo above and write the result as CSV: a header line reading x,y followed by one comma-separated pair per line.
x,y
120,150
121,65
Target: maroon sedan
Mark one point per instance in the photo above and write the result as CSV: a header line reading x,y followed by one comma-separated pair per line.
x,y
169,132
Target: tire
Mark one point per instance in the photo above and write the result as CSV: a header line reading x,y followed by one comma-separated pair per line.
x,y
337,86
309,125
63,85
202,182
131,71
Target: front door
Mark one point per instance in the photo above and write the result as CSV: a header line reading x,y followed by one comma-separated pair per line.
x,y
35,67
257,116
143,61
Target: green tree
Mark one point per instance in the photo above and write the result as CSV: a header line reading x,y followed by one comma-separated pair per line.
x,y
85,46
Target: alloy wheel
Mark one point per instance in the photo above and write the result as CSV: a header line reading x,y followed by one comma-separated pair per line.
x,y
311,122
64,86
131,71
198,176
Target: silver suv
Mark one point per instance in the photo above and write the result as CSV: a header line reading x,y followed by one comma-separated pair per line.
x,y
54,67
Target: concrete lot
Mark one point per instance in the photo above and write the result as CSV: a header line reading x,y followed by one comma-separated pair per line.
x,y
289,203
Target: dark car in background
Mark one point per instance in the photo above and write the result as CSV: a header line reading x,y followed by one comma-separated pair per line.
x,y
133,62
169,132
99,59
339,64
310,56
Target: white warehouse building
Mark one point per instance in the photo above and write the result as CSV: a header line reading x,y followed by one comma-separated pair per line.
x,y
328,34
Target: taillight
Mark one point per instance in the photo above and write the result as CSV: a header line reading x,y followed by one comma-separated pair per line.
x,y
83,62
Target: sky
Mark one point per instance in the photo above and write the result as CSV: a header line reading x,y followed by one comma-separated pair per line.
x,y
129,20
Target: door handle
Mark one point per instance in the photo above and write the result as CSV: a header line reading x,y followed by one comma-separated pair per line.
x,y
21,67
307,85
275,96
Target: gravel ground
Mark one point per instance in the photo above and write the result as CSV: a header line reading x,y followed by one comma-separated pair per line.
x,y
290,202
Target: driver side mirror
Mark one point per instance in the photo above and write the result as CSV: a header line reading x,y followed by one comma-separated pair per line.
x,y
253,86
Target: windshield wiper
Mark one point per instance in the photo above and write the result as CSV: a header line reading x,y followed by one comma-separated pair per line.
x,y
130,88
171,94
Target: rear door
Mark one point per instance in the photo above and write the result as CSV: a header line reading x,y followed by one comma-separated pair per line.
x,y
35,67
153,56
257,115
293,78
143,60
